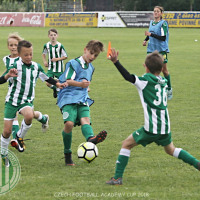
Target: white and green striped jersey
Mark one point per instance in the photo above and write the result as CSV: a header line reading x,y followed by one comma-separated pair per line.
x,y
8,61
22,89
153,95
56,51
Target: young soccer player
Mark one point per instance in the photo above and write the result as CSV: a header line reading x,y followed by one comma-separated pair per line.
x,y
74,100
12,42
152,90
158,36
56,54
21,94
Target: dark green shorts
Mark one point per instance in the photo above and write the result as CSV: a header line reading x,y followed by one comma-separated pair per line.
x,y
52,74
74,112
144,138
164,54
10,110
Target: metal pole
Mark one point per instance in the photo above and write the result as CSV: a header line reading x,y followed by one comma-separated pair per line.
x,y
74,6
42,6
33,5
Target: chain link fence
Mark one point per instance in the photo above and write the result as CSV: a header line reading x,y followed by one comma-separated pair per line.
x,y
41,6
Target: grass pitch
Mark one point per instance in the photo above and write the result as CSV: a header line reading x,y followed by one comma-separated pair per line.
x,y
151,173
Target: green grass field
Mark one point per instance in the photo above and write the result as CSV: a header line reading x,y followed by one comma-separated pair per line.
x,y
151,173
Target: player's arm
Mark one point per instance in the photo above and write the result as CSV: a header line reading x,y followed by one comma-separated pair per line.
x,y
114,58
159,37
44,60
11,73
44,77
71,74
59,59
44,53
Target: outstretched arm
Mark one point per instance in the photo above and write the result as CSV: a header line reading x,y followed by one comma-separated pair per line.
x,y
114,58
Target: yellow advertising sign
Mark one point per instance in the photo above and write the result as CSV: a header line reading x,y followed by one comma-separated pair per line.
x,y
182,19
71,20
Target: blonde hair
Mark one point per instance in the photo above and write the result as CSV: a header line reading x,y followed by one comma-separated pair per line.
x,y
160,8
15,36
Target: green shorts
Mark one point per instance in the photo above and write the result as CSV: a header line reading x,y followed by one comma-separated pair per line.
x,y
144,138
164,54
52,74
74,112
10,110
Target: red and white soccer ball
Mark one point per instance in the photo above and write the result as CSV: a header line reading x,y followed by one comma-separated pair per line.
x,y
87,152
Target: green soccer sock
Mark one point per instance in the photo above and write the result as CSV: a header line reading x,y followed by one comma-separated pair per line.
x,y
169,82
87,131
187,158
53,87
67,141
15,129
121,163
43,120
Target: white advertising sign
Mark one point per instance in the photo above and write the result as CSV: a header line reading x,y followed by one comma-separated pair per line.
x,y
109,19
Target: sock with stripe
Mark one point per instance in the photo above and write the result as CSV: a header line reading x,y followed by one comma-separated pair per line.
x,y
185,157
121,162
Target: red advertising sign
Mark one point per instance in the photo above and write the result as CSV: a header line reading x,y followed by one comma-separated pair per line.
x,y
22,19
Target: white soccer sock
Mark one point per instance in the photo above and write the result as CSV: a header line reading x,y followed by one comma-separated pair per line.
x,y
23,130
125,152
176,152
15,122
4,145
40,115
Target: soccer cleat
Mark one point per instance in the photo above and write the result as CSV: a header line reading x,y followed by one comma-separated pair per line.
x,y
112,181
18,143
55,93
68,159
6,162
46,125
169,94
98,138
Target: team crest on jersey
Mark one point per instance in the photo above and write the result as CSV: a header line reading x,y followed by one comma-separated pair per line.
x,y
65,115
34,73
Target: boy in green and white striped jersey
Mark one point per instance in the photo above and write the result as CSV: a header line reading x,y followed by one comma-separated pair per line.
x,y
12,43
56,54
152,90
21,94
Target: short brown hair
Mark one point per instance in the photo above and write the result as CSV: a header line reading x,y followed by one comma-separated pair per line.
x,y
23,43
52,30
95,46
15,36
154,62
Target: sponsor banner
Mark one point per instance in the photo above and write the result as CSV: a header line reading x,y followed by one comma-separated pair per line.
x,y
186,19
22,19
135,19
110,19
71,20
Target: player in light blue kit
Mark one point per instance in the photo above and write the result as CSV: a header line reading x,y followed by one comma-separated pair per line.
x,y
158,39
74,100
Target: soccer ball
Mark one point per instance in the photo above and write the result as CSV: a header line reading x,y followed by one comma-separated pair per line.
x,y
87,152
